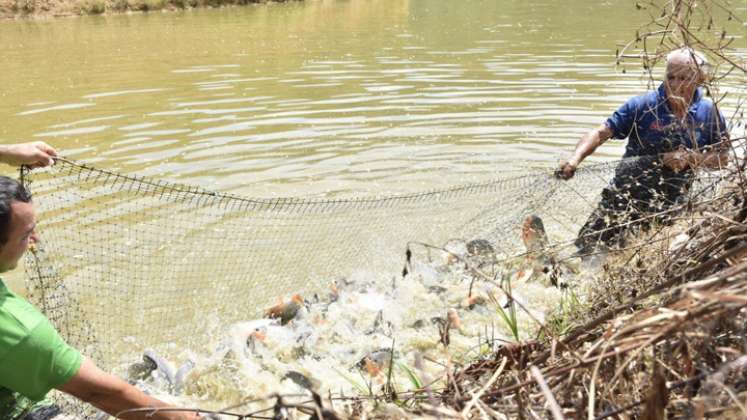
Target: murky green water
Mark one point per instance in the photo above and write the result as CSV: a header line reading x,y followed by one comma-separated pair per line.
x,y
320,97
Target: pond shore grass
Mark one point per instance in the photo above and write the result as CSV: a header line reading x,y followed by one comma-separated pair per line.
x,y
657,333
17,9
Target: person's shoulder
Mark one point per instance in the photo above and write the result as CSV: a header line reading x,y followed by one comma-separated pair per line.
x,y
705,108
644,100
705,102
18,317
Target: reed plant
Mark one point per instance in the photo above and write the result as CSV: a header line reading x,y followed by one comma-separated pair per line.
x,y
507,312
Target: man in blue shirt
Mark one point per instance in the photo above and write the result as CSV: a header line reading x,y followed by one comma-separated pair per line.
x,y
670,132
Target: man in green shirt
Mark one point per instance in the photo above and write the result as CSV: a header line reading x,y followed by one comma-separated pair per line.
x,y
33,357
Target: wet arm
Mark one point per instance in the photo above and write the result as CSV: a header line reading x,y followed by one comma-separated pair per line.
x,y
113,395
585,147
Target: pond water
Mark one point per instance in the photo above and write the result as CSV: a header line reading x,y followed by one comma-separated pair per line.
x,y
325,99
321,97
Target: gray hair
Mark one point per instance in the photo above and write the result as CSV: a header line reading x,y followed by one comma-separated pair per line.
x,y
689,56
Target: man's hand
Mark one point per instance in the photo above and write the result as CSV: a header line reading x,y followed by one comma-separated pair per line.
x,y
679,160
36,154
566,170
586,145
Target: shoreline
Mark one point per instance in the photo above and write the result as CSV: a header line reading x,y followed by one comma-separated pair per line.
x,y
51,9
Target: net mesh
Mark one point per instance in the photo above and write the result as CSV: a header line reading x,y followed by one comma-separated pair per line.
x,y
128,263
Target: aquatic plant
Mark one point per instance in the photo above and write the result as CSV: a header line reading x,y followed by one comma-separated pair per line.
x,y
415,381
507,311
570,309
362,389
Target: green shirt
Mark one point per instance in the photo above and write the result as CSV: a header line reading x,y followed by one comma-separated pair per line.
x,y
33,357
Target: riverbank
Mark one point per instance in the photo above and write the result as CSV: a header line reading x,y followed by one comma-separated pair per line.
x,y
659,334
19,9
655,332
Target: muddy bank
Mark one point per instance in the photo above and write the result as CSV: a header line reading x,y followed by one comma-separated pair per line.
x,y
15,9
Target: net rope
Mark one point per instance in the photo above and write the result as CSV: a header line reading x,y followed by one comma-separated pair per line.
x,y
127,263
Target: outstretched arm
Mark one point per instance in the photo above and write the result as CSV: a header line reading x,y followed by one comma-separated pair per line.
x,y
113,395
585,146
35,154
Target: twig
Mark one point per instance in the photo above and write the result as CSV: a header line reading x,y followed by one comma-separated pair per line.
x,y
487,385
554,407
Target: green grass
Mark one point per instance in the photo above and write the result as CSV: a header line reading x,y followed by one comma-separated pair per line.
x,y
508,315
414,379
362,390
566,316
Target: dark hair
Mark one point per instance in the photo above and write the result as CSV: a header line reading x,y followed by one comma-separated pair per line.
x,y
10,191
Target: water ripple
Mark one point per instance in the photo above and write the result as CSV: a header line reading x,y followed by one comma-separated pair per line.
x,y
382,105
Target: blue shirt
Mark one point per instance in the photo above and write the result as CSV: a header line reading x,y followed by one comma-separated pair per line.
x,y
652,128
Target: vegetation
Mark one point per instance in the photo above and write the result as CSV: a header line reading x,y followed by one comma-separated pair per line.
x,y
28,8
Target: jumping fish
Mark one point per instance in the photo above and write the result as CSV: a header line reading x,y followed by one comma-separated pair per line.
x,y
481,252
375,361
541,261
533,234
477,252
538,259
139,371
163,367
181,375
304,381
454,321
286,311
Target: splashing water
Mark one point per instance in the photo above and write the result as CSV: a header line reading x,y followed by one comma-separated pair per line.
x,y
342,341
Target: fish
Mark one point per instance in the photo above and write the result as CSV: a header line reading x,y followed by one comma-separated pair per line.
x,y
286,311
376,361
181,375
541,262
535,240
139,371
481,252
373,369
418,324
472,300
533,234
302,380
480,247
334,292
153,365
454,321
245,335
163,367
276,341
337,287
476,253
437,289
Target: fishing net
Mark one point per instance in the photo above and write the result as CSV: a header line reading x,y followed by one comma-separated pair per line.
x,y
128,263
